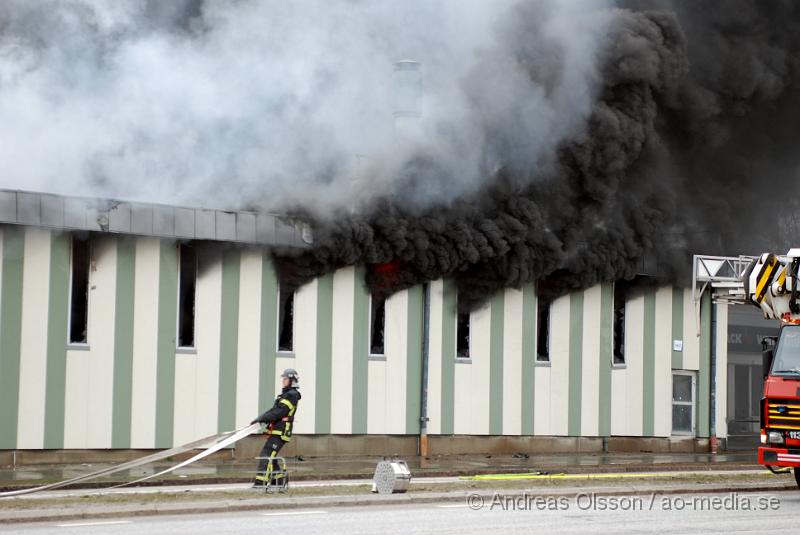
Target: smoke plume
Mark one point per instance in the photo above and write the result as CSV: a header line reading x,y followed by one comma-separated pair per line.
x,y
561,141
689,147
268,104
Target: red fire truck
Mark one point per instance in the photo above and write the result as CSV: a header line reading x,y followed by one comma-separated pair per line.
x,y
771,283
780,407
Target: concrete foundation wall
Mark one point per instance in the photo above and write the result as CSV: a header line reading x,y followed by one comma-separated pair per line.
x,y
386,445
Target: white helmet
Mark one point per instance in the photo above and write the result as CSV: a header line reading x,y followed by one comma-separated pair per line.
x,y
292,375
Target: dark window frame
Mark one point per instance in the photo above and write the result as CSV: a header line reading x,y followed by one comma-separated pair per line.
x,y
463,340
284,341
618,326
186,336
377,348
79,283
543,335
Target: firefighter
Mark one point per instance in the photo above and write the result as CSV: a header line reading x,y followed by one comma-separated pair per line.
x,y
279,420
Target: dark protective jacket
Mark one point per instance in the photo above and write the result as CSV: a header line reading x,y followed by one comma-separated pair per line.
x,y
280,417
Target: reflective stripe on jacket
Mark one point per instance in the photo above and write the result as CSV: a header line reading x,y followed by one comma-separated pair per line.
x,y
280,417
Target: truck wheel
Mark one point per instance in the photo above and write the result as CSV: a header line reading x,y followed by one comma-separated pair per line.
x,y
797,476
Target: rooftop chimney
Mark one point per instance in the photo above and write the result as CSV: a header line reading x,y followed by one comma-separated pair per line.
x,y
407,97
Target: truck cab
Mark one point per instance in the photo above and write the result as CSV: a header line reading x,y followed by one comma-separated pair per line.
x,y
780,408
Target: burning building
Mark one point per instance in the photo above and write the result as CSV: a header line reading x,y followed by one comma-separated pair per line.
x,y
136,326
499,205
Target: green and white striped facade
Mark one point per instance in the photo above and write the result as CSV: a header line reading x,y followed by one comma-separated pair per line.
x,y
130,388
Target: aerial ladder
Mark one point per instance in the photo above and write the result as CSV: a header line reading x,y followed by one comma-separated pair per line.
x,y
771,283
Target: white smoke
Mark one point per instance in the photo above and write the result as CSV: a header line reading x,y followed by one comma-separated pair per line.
x,y
272,103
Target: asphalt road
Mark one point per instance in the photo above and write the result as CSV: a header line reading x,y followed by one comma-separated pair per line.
x,y
715,513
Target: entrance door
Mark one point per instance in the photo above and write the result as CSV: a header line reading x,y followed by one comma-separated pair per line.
x,y
746,329
745,387
684,387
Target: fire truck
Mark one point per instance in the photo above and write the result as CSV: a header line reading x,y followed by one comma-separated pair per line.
x,y
772,283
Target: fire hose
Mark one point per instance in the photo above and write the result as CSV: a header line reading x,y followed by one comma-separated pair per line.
x,y
211,443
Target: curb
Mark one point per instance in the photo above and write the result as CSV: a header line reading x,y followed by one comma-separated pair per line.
x,y
600,469
156,509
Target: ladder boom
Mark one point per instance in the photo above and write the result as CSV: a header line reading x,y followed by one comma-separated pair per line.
x,y
768,281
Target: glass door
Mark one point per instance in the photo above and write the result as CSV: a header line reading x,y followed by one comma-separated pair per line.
x,y
683,396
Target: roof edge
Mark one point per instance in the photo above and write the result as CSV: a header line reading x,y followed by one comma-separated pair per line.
x,y
149,219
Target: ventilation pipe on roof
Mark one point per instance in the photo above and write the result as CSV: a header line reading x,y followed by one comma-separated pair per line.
x,y
407,97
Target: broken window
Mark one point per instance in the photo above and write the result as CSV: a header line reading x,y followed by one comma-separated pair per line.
x,y
543,330
187,286
286,318
79,291
462,335
619,323
377,325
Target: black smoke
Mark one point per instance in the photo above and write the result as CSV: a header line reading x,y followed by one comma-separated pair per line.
x,y
691,147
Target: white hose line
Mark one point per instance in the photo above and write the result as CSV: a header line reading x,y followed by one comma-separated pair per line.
x,y
142,461
223,442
